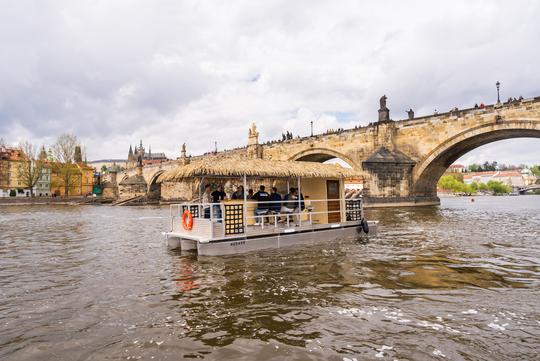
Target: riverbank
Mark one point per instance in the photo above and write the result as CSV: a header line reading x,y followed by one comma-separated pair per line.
x,y
28,201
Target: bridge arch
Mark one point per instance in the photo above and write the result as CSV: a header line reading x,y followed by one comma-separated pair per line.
x,y
322,155
428,171
154,188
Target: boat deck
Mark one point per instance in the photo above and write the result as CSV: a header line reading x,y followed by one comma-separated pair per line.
x,y
256,230
257,238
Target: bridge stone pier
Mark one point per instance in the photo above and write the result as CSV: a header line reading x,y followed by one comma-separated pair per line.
x,y
401,161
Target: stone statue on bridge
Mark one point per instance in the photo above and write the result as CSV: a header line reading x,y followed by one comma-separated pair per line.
x,y
183,151
410,113
253,136
382,102
253,130
184,159
384,112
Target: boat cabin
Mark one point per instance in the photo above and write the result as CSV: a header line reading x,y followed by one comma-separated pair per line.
x,y
312,206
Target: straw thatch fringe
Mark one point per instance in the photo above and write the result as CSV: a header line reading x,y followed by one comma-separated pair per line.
x,y
230,167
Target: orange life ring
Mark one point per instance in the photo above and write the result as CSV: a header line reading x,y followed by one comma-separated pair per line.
x,y
187,220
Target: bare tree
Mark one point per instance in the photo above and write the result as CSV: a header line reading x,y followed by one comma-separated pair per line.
x,y
29,167
64,156
4,165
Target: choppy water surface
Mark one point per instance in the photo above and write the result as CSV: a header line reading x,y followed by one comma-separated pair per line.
x,y
455,282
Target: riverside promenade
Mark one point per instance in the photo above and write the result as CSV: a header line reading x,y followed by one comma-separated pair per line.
x,y
25,201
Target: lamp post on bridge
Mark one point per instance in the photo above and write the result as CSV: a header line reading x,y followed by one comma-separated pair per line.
x,y
498,84
311,128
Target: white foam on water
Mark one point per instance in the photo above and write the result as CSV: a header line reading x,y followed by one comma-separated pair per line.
x,y
434,326
382,349
498,327
349,311
469,312
438,353
404,320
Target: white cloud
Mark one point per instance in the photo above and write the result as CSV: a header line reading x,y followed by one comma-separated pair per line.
x,y
171,72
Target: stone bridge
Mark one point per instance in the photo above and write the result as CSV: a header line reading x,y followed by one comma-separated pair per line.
x,y
401,161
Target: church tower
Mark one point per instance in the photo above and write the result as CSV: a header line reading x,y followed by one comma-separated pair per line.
x,y
132,160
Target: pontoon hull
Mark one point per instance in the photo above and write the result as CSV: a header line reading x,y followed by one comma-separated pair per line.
x,y
261,242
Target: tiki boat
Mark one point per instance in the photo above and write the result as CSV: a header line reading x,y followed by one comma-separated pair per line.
x,y
321,213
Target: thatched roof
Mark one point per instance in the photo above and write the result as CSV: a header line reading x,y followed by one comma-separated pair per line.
x,y
231,167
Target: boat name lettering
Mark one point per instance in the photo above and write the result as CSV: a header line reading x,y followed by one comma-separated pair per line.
x,y
238,243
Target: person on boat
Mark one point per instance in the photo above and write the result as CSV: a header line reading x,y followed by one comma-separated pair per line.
x,y
250,193
217,196
207,200
275,201
290,202
262,197
291,205
239,194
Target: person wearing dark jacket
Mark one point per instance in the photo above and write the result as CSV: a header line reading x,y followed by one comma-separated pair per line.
x,y
217,196
275,199
262,197
239,194
291,204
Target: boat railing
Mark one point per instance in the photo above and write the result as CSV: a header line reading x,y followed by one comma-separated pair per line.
x,y
226,218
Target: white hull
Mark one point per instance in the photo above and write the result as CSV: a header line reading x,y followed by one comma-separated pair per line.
x,y
299,236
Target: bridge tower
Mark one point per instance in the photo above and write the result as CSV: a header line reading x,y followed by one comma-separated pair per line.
x,y
388,171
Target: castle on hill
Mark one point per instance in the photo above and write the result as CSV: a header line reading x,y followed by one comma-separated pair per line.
x,y
145,158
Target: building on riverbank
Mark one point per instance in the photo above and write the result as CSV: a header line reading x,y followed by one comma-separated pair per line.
x,y
4,171
11,181
108,164
43,185
80,182
11,184
456,168
514,178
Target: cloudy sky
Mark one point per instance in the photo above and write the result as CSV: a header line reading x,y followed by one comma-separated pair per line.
x,y
170,72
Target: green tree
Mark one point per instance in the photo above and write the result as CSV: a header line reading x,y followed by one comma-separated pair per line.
x,y
487,166
78,154
482,187
535,169
451,183
498,187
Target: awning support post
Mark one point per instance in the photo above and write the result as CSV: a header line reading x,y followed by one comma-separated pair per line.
x,y
245,204
299,204
201,185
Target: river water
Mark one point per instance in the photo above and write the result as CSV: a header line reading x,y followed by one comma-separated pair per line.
x,y
455,282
